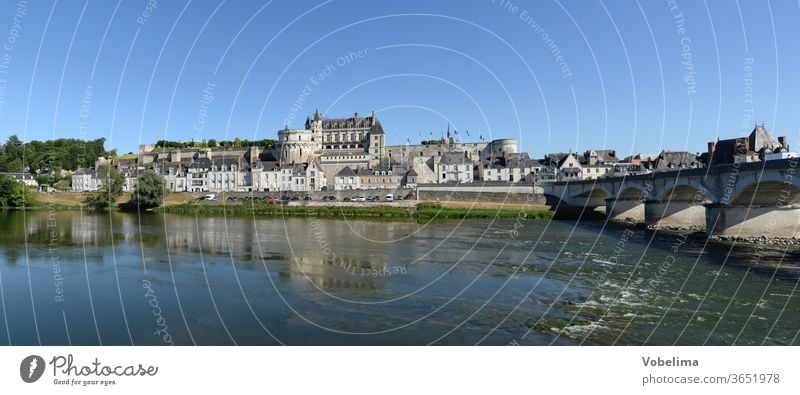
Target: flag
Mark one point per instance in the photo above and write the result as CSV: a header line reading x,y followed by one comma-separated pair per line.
x,y
455,131
481,137
431,132
467,133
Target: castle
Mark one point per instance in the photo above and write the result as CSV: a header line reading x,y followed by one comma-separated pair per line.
x,y
312,158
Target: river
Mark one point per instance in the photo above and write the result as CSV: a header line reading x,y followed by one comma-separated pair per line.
x,y
120,279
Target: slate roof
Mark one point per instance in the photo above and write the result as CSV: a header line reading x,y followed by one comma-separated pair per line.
x,y
370,121
19,176
346,172
226,162
605,155
365,172
555,159
201,163
669,160
270,166
299,169
565,157
457,158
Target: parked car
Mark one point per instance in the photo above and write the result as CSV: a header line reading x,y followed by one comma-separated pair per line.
x,y
210,197
389,197
348,199
359,199
308,198
286,198
373,199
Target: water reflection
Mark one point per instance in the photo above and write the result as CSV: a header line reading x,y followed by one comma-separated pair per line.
x,y
314,281
338,271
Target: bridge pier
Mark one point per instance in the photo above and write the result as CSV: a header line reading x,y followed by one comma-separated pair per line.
x,y
753,221
625,210
676,214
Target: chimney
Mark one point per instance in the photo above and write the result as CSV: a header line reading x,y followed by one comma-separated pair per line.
x,y
711,147
782,141
355,118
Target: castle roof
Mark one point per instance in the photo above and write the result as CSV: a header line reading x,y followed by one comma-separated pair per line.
x,y
355,122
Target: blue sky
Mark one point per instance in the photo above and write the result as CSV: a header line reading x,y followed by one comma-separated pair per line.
x,y
635,76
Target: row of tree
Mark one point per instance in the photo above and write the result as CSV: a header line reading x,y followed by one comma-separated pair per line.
x,y
149,192
213,143
51,156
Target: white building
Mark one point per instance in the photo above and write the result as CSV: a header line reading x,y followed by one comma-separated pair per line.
x,y
85,180
454,167
570,168
25,178
346,179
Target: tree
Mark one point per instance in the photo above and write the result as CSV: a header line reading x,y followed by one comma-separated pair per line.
x,y
14,194
212,143
110,190
150,190
44,157
44,179
62,185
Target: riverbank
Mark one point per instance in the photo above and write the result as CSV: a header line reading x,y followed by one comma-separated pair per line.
x,y
186,203
423,210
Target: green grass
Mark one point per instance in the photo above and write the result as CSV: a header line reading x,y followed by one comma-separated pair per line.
x,y
332,211
425,211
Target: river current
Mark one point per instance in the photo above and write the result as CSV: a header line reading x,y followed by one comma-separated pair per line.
x,y
121,279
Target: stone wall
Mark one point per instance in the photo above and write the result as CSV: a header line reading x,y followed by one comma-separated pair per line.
x,y
491,192
489,197
317,195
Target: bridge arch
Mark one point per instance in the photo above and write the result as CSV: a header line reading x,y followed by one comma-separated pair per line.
x,y
555,200
685,189
596,191
633,192
766,189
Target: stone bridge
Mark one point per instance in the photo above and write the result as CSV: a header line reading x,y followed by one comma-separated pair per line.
x,y
744,199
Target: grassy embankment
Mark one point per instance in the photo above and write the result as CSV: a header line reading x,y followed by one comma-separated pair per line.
x,y
75,201
264,209
427,211
185,203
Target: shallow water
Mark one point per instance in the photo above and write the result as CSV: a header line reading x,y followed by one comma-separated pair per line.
x,y
116,279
